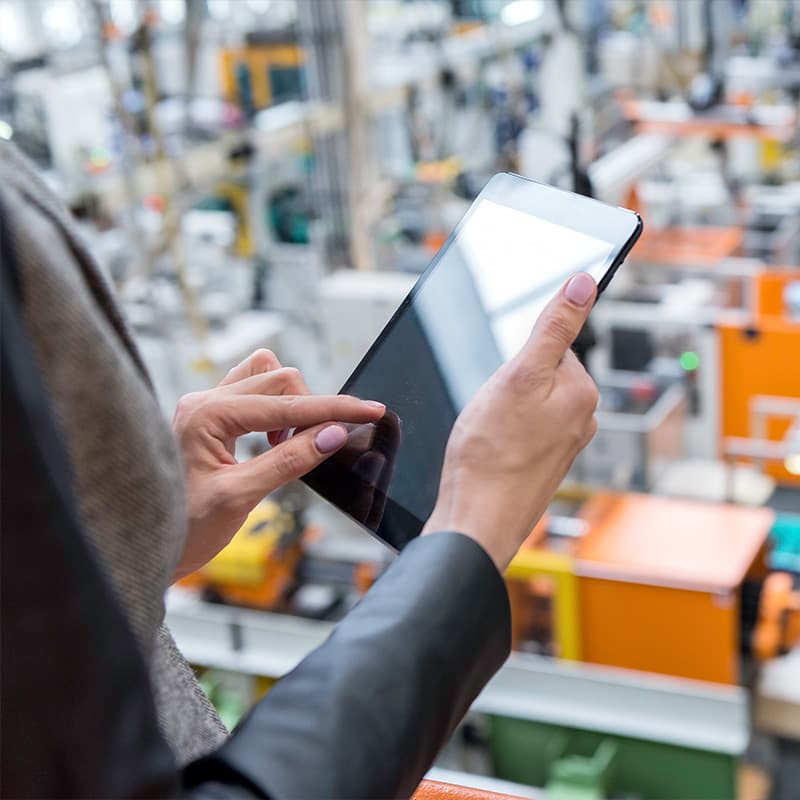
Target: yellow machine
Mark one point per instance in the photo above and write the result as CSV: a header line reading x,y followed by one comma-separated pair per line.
x,y
258,567
237,193
259,74
266,562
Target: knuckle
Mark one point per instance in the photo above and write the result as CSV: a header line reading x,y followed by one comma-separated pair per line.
x,y
559,328
262,360
291,405
186,408
589,431
293,378
588,395
289,463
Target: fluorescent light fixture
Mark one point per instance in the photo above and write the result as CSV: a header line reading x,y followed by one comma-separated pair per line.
x,y
12,32
62,23
518,12
6,131
172,11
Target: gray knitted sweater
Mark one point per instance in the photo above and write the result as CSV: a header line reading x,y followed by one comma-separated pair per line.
x,y
125,465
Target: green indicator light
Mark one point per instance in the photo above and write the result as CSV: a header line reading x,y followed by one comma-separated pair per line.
x,y
689,361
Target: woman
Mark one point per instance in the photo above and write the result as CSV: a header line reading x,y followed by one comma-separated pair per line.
x,y
103,507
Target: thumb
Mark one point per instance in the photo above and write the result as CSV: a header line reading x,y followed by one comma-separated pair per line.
x,y
291,459
561,321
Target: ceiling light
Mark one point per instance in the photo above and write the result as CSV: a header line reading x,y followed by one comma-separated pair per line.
x,y
63,23
172,12
518,12
12,31
792,463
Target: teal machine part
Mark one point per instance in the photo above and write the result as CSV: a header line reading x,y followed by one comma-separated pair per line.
x,y
785,536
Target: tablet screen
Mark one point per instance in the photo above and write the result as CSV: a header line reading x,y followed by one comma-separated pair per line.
x,y
471,311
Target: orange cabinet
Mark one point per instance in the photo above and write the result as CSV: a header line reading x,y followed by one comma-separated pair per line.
x,y
659,583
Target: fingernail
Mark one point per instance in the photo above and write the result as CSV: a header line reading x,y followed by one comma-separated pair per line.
x,y
331,438
580,289
375,404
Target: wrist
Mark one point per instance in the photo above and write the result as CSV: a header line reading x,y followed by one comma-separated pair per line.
x,y
492,537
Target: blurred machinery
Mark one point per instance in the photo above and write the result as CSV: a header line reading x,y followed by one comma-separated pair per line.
x,y
633,581
266,69
353,308
257,568
760,388
647,583
640,427
654,585
267,566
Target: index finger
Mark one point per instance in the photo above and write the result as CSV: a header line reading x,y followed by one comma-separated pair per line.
x,y
561,321
240,414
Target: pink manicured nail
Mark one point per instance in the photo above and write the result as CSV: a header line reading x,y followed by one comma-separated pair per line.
x,y
580,289
331,438
375,404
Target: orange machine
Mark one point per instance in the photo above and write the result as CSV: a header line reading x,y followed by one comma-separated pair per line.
x,y
659,583
779,624
761,358
769,287
652,584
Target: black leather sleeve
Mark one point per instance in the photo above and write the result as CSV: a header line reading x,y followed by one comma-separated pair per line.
x,y
365,714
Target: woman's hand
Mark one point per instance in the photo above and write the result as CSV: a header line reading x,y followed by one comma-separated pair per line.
x,y
257,395
513,444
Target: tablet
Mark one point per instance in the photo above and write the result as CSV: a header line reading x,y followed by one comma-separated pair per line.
x,y
469,312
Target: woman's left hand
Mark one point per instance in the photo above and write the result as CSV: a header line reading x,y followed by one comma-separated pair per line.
x,y
257,395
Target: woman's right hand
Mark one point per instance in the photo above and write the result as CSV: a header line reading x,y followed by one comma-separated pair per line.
x,y
513,444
